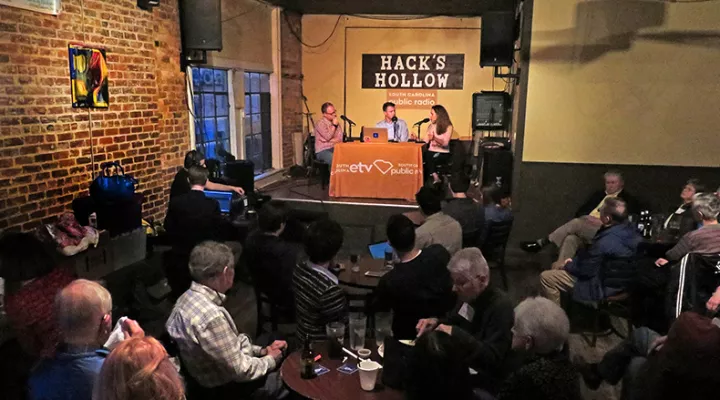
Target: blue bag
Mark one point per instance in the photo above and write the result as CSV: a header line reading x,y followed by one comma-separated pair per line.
x,y
112,184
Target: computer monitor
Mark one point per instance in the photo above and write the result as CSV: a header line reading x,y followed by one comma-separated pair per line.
x,y
375,135
377,250
223,198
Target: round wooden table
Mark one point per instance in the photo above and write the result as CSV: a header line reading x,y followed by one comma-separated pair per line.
x,y
358,279
333,385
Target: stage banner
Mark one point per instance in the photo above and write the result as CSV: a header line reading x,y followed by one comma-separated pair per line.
x,y
41,6
413,71
408,99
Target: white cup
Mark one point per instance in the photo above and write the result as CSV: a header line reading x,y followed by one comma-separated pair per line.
x,y
368,374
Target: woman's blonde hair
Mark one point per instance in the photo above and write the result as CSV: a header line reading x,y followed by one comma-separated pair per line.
x,y
139,369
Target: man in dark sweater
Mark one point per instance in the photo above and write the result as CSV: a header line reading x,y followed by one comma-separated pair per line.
x,y
464,210
419,286
193,218
481,322
271,259
581,230
318,297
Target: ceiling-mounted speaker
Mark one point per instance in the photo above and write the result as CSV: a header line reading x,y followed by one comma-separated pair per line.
x,y
201,24
497,39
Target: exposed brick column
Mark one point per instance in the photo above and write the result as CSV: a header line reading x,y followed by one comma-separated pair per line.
x,y
292,105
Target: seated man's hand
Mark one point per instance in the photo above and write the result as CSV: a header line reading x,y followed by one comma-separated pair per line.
x,y
425,325
661,262
561,264
714,303
131,329
658,343
279,345
444,328
274,353
238,190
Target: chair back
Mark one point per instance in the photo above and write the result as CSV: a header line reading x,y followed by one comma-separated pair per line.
x,y
496,240
697,279
618,273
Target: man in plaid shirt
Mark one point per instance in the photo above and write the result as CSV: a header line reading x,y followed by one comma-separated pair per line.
x,y
215,354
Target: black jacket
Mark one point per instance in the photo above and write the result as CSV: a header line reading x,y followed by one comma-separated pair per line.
x,y
270,261
549,377
487,336
420,288
633,206
193,218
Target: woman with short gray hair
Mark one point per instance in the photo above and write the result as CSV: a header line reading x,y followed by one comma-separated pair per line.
x,y
706,239
540,332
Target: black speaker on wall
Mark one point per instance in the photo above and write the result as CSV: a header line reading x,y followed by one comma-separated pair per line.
x,y
491,111
201,24
497,39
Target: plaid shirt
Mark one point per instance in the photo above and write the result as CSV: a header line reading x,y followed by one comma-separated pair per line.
x,y
210,346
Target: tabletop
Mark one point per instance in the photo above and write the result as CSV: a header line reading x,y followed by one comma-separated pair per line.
x,y
359,279
333,385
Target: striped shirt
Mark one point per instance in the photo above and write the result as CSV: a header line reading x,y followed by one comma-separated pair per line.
x,y
318,301
211,347
703,240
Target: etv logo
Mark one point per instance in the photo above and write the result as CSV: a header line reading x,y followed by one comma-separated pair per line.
x,y
383,166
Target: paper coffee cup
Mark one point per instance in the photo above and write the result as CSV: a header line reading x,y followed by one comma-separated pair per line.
x,y
368,374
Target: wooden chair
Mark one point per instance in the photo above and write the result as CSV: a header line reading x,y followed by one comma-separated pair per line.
x,y
495,244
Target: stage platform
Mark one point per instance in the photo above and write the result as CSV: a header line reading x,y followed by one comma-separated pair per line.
x,y
364,220
309,190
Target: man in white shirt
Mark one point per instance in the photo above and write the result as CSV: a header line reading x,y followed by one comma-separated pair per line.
x,y
397,128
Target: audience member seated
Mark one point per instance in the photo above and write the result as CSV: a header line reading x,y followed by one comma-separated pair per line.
x,y
419,285
682,221
540,333
581,230
615,239
685,364
482,322
215,354
464,210
84,312
271,259
704,240
181,184
437,369
318,298
139,369
496,208
193,218
32,279
438,228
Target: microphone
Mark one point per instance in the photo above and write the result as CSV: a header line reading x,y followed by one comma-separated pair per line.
x,y
394,119
348,120
426,120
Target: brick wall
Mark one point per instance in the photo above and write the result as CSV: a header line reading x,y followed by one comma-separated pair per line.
x,y
46,156
292,106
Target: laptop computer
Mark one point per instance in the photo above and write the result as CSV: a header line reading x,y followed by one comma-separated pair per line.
x,y
377,250
223,198
374,135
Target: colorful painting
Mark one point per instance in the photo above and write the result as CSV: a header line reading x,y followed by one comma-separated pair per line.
x,y
88,77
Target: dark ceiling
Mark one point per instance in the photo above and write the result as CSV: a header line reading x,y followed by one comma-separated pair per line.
x,y
396,7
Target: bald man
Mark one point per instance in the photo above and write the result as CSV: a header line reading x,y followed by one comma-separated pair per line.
x,y
84,312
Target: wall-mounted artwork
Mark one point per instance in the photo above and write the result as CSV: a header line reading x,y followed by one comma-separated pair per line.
x,y
88,77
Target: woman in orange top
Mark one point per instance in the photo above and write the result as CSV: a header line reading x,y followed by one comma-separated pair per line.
x,y
438,137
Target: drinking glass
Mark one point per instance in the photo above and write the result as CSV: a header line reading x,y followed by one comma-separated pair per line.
x,y
336,336
383,327
354,263
358,326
